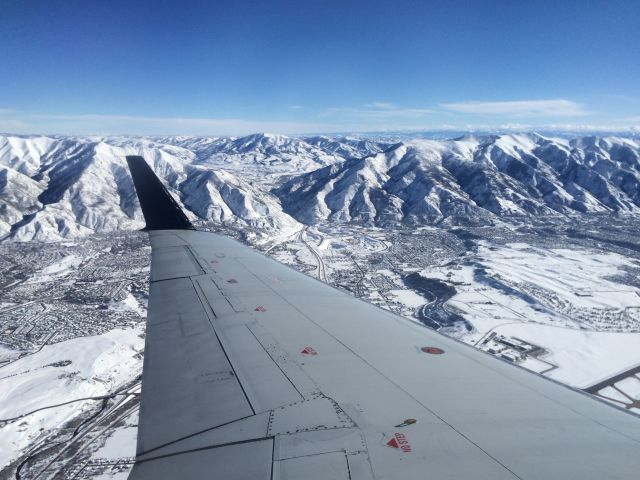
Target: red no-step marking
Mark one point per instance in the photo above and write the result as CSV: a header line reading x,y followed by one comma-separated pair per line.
x,y
400,441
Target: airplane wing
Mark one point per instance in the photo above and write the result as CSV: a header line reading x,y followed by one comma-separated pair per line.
x,y
255,371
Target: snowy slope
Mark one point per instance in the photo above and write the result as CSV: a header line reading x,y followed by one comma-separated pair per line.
x,y
63,372
472,180
222,197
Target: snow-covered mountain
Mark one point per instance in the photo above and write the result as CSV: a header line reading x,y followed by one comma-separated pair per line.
x,y
58,187
220,196
55,187
268,158
471,180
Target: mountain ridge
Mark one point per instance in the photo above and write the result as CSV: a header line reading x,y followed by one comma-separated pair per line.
x,y
426,181
58,187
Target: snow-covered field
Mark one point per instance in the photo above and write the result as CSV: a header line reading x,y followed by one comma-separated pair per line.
x,y
59,269
62,372
583,358
408,297
6,354
572,279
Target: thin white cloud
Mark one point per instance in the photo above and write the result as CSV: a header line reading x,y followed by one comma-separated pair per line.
x,y
115,124
559,127
380,105
9,122
620,98
586,128
12,125
377,111
374,117
520,108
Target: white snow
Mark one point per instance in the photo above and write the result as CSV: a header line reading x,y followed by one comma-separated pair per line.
x,y
578,276
584,358
630,386
534,365
612,393
409,298
570,288
99,364
122,441
231,179
575,311
7,353
128,304
65,265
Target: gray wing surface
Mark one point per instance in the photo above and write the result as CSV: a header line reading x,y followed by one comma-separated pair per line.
x,y
255,371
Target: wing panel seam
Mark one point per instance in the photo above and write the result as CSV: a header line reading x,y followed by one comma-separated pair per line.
x,y
276,363
209,447
244,392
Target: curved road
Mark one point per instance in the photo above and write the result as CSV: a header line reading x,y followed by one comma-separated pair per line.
x,y
322,273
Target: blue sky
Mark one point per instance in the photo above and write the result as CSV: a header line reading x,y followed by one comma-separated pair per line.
x,y
235,67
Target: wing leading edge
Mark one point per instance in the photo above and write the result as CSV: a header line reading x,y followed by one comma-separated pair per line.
x,y
254,370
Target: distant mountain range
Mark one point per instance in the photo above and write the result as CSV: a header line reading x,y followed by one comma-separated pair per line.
x,y
471,180
58,187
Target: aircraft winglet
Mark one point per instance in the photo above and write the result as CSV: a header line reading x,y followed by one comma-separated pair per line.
x,y
160,210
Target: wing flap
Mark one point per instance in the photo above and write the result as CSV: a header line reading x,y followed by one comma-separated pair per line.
x,y
188,384
242,430
266,386
173,262
325,466
236,461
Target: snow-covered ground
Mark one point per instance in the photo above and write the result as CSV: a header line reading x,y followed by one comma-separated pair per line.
x,y
58,269
128,304
121,443
575,278
408,297
583,358
7,354
74,369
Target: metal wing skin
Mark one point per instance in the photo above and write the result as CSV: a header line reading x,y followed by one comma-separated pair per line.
x,y
255,371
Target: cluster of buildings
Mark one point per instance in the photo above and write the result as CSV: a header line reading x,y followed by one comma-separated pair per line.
x,y
509,348
43,304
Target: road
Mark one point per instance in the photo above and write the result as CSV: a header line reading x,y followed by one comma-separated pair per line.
x,y
322,272
631,402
